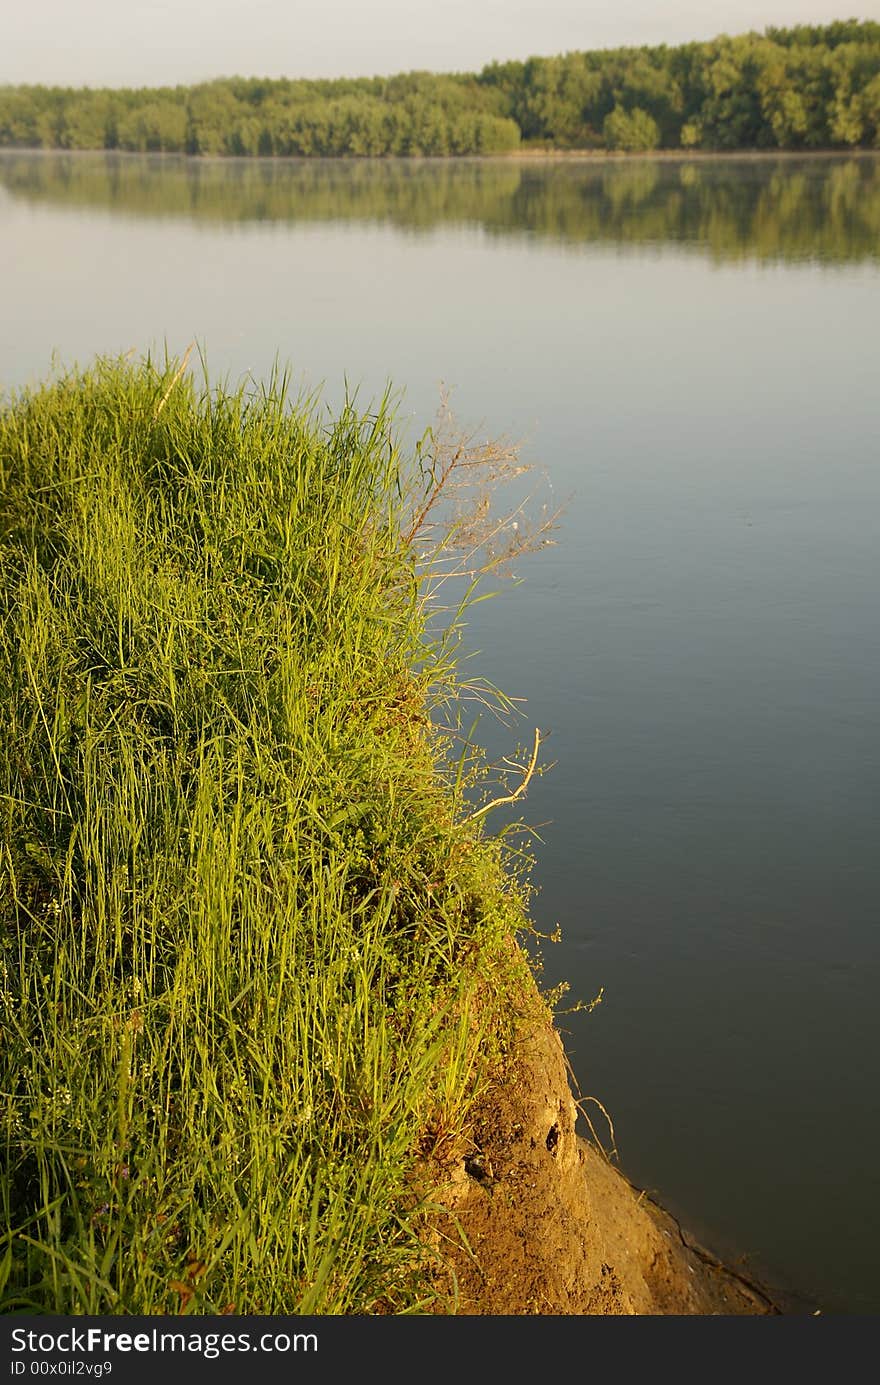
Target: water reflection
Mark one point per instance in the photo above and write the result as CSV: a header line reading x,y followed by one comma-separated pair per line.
x,y
768,209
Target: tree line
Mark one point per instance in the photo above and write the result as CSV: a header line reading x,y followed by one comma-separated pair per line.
x,y
807,87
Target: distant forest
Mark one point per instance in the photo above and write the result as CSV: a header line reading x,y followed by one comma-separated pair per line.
x,y
810,87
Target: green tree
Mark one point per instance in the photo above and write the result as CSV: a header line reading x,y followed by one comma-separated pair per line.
x,y
871,111
156,127
730,114
90,121
20,109
634,130
846,119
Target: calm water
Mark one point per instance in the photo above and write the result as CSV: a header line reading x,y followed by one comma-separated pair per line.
x,y
691,351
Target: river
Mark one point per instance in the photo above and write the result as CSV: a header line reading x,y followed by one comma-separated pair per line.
x,y
689,351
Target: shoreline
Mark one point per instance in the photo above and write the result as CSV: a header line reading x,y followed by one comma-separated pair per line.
x,y
688,155
522,155
545,1223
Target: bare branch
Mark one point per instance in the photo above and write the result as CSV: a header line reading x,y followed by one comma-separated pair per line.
x,y
456,525
519,791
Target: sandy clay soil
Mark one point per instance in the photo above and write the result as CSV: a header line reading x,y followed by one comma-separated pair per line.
x,y
539,1221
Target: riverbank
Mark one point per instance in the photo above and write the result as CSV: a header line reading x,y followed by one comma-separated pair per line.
x,y
602,156
523,154
244,906
539,1221
264,1008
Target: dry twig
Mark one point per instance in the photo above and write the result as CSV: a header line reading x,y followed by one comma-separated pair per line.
x,y
456,526
519,791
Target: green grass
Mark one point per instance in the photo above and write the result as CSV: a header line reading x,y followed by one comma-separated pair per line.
x,y
252,953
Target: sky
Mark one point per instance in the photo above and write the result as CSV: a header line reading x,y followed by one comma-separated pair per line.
x,y
158,42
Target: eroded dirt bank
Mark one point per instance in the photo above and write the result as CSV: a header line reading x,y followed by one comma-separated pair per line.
x,y
539,1222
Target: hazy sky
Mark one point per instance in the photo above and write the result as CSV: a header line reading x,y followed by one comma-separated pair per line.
x,y
130,42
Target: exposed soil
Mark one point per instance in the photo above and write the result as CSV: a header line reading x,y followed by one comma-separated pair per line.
x,y
540,1222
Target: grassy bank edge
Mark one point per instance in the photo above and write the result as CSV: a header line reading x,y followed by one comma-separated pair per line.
x,y
256,960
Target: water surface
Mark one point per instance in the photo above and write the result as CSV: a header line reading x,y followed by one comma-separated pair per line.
x,y
690,350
